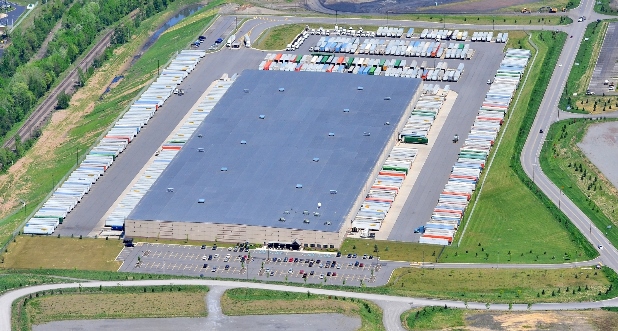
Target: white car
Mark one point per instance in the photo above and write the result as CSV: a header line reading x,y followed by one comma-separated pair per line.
x,y
290,271
560,65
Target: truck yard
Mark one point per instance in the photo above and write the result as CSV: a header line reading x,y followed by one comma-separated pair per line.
x,y
102,210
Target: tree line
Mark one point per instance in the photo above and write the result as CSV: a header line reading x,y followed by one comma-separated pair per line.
x,y
24,81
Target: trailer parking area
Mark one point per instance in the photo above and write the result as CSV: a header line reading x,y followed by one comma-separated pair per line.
x,y
257,264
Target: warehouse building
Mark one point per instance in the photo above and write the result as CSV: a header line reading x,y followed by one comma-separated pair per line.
x,y
283,157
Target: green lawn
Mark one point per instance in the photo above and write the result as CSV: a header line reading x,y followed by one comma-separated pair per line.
x,y
567,167
510,224
603,7
481,19
574,94
243,301
391,250
109,302
433,318
503,285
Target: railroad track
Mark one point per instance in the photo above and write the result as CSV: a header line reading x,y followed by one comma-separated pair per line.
x,y
42,113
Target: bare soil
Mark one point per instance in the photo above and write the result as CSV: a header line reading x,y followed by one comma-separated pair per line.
x,y
549,321
600,145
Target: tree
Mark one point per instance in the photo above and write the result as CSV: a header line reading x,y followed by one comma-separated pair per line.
x,y
63,100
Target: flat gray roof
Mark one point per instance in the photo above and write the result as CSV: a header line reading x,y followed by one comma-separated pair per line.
x,y
260,184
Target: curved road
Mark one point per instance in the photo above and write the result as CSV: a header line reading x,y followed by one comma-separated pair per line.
x,y
393,305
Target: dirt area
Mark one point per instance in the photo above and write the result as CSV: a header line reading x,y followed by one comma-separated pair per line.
x,y
548,321
600,144
405,6
248,9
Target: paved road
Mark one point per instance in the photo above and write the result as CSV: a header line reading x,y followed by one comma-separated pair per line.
x,y
549,113
392,305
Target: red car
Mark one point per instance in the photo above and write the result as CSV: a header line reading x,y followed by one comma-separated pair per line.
x,y
302,272
291,259
334,274
361,265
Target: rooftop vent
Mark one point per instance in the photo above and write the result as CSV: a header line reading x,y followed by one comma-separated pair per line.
x,y
200,149
246,90
243,142
223,168
316,214
200,200
387,98
281,89
199,135
287,212
366,134
327,223
346,110
281,219
333,191
316,159
331,134
170,189
387,123
305,212
262,117
299,185
306,221
360,88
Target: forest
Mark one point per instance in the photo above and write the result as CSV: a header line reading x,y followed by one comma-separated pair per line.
x,y
24,80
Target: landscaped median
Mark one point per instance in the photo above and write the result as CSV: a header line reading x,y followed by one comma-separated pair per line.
x,y
108,302
244,301
574,96
566,166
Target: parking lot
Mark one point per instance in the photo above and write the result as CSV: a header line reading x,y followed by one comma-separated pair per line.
x,y
257,264
606,69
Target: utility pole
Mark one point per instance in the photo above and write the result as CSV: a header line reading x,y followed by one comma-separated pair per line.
x,y
157,67
76,156
336,14
387,17
236,22
533,166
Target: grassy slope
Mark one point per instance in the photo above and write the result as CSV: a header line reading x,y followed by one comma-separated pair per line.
x,y
509,222
593,194
46,175
253,302
603,7
482,19
433,318
499,285
62,253
574,93
110,302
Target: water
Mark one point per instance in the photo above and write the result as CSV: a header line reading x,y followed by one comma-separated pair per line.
x,y
187,11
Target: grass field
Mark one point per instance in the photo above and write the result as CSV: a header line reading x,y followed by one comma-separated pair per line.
x,y
62,253
391,250
47,168
264,302
510,224
500,285
109,302
433,318
604,7
574,94
567,166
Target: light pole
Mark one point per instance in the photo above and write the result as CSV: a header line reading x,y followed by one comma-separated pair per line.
x,y
388,11
23,203
533,166
336,14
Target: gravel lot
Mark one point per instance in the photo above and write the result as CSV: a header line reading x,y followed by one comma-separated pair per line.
x,y
600,144
315,322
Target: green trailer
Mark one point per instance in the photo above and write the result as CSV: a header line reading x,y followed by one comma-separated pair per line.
x,y
415,140
298,59
395,169
372,70
349,63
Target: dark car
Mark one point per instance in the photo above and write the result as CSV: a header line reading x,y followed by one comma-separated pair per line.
x,y
227,267
370,257
295,260
218,41
203,246
328,274
356,263
312,272
214,248
205,265
310,264
201,37
318,261
274,259
338,254
305,275
209,257
349,256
